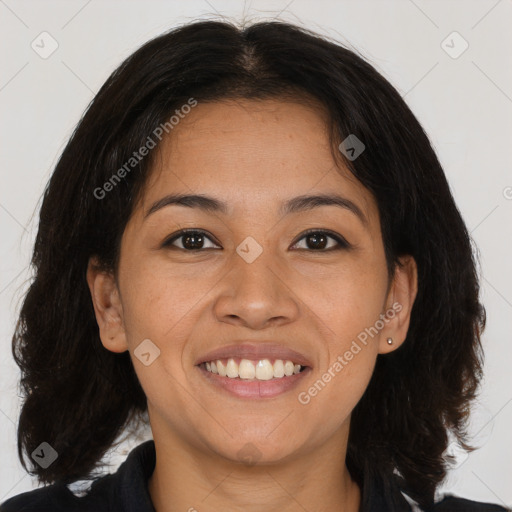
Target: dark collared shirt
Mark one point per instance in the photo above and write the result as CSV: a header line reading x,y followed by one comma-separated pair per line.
x,y
127,491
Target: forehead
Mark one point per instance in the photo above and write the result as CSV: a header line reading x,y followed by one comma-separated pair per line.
x,y
252,152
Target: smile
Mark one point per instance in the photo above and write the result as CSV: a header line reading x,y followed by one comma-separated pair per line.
x,y
247,369
247,378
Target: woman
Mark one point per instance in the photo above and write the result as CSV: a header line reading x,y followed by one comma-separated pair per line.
x,y
250,238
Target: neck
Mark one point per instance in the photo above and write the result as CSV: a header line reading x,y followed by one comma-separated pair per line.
x,y
184,479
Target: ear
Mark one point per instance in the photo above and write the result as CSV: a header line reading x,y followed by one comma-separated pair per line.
x,y
399,302
107,307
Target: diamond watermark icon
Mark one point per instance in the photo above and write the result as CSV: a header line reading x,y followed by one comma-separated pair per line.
x,y
454,45
249,249
352,147
249,454
44,45
146,352
44,455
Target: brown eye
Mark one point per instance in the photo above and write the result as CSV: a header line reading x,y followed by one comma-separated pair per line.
x,y
319,241
191,240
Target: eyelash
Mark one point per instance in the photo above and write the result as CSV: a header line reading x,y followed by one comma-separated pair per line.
x,y
342,243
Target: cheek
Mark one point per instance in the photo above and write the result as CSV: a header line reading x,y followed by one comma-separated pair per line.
x,y
347,298
347,306
159,308
337,389
163,304
158,299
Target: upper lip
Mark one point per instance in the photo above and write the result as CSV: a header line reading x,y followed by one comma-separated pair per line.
x,y
255,351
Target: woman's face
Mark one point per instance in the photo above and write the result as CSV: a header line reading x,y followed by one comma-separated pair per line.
x,y
253,280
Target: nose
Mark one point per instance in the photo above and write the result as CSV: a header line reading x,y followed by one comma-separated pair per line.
x,y
255,294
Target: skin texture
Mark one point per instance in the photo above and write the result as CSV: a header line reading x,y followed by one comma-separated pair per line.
x,y
253,155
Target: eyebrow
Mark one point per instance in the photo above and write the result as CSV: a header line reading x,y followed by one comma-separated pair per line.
x,y
294,205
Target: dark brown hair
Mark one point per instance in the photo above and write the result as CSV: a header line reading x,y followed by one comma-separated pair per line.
x,y
79,397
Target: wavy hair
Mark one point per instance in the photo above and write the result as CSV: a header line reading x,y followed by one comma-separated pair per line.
x,y
79,397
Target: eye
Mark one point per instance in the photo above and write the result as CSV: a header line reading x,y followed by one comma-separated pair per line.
x,y
192,240
318,241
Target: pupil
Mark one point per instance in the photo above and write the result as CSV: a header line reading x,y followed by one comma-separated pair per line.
x,y
190,238
316,237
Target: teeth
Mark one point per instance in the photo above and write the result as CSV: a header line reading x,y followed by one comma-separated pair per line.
x,y
246,369
263,370
221,369
278,368
232,369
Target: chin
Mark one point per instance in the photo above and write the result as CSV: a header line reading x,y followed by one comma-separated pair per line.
x,y
252,450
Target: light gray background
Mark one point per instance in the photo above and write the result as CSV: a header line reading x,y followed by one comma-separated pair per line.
x,y
464,103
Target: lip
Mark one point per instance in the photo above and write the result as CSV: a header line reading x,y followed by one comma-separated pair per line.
x,y
255,389
255,351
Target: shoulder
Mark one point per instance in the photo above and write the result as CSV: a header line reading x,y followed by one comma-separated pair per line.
x,y
58,498
43,499
126,489
455,504
27,501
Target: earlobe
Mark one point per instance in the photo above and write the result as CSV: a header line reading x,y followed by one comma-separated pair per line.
x,y
107,307
399,305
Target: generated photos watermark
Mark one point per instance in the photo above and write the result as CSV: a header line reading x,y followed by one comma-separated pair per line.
x,y
144,150
343,360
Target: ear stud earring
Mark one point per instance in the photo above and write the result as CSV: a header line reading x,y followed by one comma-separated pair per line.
x,y
390,341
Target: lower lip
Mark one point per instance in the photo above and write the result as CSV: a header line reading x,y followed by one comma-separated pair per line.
x,y
255,388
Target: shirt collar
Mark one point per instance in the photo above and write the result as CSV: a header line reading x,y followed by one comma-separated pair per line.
x,y
133,475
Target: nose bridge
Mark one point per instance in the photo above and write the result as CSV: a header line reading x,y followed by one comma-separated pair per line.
x,y
255,263
256,292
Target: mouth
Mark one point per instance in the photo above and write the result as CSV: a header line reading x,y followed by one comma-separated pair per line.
x,y
253,388
254,371
247,369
